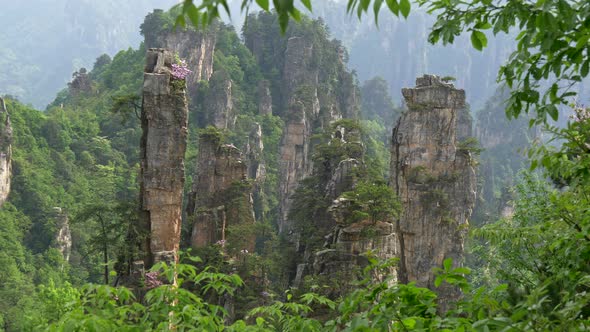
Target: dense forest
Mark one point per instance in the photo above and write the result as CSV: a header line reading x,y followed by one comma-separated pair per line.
x,y
215,179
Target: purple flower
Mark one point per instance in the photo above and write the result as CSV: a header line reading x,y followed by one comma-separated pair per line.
x,y
180,70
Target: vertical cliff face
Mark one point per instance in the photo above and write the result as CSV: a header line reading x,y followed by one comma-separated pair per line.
x,y
221,193
163,144
433,176
299,89
5,152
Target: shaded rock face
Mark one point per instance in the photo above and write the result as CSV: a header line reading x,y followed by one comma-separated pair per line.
x,y
435,181
220,195
163,144
5,152
63,237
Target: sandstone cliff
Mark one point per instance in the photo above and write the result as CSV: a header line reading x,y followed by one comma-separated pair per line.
x,y
5,152
433,175
163,144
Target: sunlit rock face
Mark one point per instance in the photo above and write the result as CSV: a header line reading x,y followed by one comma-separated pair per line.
x,y
433,175
5,152
163,144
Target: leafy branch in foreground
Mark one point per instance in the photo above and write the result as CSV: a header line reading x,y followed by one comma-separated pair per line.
x,y
552,55
201,15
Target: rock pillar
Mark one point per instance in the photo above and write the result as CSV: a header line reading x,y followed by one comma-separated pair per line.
x,y
163,144
433,175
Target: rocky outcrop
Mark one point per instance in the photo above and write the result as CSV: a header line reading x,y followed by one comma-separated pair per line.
x,y
220,196
344,256
433,175
63,237
5,152
164,122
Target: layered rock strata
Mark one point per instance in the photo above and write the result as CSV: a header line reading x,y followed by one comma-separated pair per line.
x,y
433,175
5,152
163,144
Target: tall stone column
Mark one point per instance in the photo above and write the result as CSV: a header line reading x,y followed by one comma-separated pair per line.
x,y
164,121
433,175
5,152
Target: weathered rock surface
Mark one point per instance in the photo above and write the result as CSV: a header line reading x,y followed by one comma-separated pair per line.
x,y
220,195
435,181
63,237
163,144
5,152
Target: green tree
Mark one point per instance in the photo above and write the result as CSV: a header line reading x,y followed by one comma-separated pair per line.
x,y
374,200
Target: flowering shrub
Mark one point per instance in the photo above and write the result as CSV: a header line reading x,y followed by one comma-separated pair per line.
x,y
180,70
